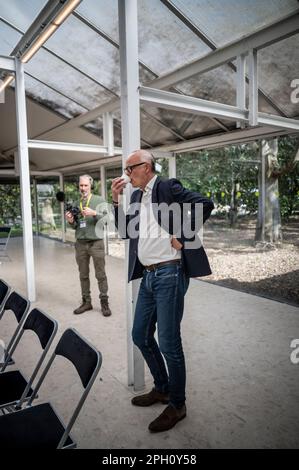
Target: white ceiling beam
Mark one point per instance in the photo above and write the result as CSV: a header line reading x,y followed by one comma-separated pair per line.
x,y
107,161
69,146
189,104
279,121
238,136
7,63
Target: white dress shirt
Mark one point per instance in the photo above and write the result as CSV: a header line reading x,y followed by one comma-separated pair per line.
x,y
154,245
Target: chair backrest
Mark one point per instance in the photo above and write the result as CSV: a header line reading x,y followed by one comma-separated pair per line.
x,y
19,305
82,355
45,328
42,324
87,361
4,292
4,237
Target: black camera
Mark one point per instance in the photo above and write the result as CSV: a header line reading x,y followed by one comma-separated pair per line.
x,y
74,210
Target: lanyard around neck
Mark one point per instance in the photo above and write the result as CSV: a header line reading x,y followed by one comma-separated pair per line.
x,y
87,202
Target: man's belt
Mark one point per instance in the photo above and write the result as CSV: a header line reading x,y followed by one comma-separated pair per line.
x,y
152,267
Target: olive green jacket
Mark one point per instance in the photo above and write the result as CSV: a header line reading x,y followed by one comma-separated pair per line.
x,y
94,228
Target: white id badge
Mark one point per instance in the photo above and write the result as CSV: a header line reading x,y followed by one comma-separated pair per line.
x,y
82,223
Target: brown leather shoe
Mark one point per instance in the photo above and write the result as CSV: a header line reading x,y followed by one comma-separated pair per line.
x,y
105,308
150,398
167,419
83,308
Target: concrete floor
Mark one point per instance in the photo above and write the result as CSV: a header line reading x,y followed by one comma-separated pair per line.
x,y
242,388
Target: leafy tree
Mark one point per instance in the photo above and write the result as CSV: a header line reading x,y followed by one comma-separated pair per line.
x,y
10,208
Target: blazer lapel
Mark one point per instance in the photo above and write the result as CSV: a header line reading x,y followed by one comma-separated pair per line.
x,y
155,190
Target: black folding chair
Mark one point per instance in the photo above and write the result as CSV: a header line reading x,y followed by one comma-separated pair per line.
x,y
19,306
4,239
14,388
39,426
4,293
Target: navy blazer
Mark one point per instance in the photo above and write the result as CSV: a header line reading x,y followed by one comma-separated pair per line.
x,y
194,261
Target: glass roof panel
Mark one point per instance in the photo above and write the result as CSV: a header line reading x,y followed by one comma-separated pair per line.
x,y
165,43
81,46
103,14
21,13
216,85
67,80
8,39
224,22
52,100
187,125
275,76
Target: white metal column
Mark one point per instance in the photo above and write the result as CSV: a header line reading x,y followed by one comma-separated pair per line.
x,y
35,202
108,134
253,88
172,166
130,113
103,182
104,196
263,152
241,85
61,188
25,180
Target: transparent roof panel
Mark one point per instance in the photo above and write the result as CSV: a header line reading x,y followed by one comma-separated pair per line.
x,y
216,85
74,84
276,76
201,125
21,13
165,43
8,39
96,127
184,123
52,100
81,46
103,14
224,22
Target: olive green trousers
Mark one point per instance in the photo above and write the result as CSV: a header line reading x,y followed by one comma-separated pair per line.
x,y
86,249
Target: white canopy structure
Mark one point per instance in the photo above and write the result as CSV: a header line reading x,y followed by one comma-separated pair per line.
x,y
93,80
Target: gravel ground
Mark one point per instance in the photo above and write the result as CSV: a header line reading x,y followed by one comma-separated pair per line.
x,y
237,263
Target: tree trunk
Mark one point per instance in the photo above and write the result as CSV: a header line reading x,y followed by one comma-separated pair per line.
x,y
268,228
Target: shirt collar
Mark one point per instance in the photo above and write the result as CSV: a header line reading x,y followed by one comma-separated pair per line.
x,y
150,185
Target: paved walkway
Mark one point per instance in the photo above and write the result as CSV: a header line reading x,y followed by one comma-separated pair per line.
x,y
242,388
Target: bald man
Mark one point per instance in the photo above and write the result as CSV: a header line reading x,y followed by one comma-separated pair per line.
x,y
89,245
165,258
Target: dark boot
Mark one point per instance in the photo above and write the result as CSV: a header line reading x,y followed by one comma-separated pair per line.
x,y
150,398
105,308
168,418
83,308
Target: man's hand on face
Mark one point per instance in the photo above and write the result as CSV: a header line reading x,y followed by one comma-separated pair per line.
x,y
176,244
117,187
69,217
88,212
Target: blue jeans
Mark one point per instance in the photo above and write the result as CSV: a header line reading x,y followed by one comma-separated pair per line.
x,y
161,301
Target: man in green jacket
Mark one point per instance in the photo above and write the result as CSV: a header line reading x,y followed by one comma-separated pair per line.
x,y
90,244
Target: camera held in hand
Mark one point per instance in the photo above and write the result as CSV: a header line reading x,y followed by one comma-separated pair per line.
x,y
68,207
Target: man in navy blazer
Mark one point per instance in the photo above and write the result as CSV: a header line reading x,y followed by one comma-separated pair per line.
x,y
162,223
